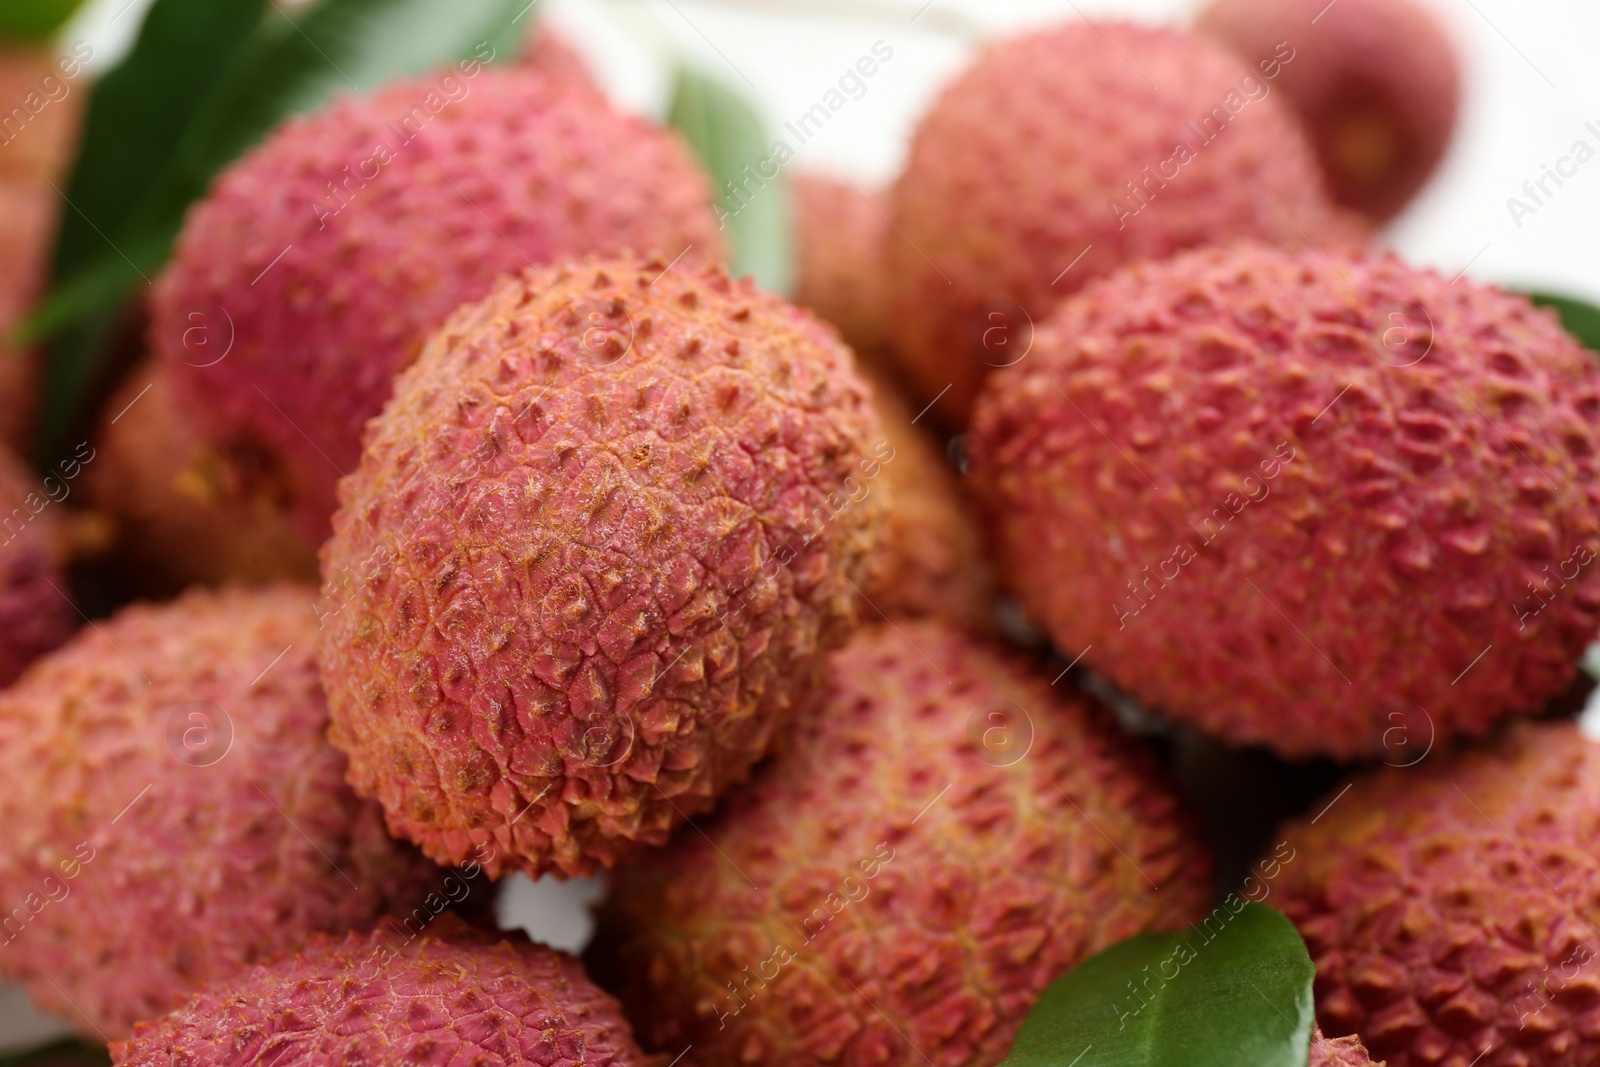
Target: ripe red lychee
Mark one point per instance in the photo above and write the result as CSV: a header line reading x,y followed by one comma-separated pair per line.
x,y
450,995
1378,83
173,812
942,837
842,260
1450,906
1333,505
932,563
596,546
1063,154
320,262
35,614
185,512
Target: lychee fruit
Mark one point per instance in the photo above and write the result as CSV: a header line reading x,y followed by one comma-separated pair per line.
x,y
1449,905
173,812
184,511
941,838
842,270
320,262
1332,505
596,546
933,562
450,994
1377,82
35,614
1063,154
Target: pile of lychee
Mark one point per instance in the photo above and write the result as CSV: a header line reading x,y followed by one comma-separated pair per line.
x,y
627,565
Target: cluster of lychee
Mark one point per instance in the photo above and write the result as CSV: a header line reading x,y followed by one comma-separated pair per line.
x,y
610,540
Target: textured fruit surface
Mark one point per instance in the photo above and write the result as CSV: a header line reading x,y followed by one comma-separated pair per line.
x,y
932,562
1450,907
1377,82
452,995
843,273
321,261
1038,155
173,812
35,615
597,544
185,512
941,838
33,152
1339,1052
1303,502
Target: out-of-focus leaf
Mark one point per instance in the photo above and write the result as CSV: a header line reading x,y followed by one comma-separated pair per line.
x,y
730,140
34,20
138,113
68,1053
1235,990
204,83
1582,319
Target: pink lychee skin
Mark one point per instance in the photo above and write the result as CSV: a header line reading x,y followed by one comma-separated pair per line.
x,y
129,877
1013,173
942,836
319,305
599,540
1215,479
35,614
1378,83
452,995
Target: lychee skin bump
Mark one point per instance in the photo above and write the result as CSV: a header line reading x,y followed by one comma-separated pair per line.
x,y
449,994
1337,506
1450,906
595,549
1059,156
942,836
35,614
173,812
319,262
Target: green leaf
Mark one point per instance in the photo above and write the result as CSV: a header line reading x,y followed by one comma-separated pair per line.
x,y
34,20
67,1053
730,140
1581,318
205,82
138,114
1234,991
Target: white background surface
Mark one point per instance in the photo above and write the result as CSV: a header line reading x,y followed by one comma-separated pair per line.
x,y
1532,83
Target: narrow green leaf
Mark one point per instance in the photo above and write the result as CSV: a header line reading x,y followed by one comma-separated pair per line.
x,y
730,140
138,114
1235,990
34,20
204,83
1582,319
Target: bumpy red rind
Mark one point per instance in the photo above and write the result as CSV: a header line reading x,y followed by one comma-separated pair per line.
x,y
1450,907
1063,154
1336,506
943,836
145,853
597,545
451,994
319,262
